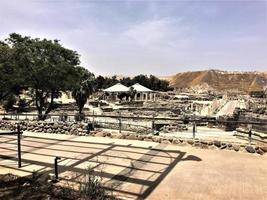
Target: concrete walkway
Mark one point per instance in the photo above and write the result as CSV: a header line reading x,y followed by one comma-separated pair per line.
x,y
142,170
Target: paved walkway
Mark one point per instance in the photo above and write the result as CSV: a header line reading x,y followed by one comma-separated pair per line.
x,y
143,170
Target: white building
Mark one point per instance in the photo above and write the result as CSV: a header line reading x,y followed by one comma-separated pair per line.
x,y
142,93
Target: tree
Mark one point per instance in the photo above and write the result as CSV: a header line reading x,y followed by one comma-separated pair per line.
x,y
47,66
127,81
132,93
10,76
84,87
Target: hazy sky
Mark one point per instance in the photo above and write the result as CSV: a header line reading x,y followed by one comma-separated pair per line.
x,y
150,37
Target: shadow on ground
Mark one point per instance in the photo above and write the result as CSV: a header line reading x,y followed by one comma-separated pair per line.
x,y
127,170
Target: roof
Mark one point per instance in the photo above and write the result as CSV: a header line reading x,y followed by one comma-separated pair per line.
x,y
140,88
117,88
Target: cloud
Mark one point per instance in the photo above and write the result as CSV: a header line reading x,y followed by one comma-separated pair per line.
x,y
146,36
151,32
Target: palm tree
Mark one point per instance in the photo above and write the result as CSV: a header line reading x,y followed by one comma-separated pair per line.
x,y
84,89
132,93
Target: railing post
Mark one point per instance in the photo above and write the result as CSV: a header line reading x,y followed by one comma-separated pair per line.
x,y
93,119
119,122
19,146
194,130
250,134
56,168
153,125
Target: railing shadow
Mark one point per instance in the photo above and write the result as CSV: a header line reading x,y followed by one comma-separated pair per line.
x,y
123,166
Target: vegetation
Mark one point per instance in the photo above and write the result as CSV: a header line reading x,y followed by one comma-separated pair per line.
x,y
36,187
151,82
45,68
83,88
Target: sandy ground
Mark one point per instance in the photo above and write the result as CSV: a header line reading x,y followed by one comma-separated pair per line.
x,y
142,170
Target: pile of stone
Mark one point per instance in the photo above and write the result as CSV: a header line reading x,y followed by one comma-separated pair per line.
x,y
173,128
204,144
125,127
46,127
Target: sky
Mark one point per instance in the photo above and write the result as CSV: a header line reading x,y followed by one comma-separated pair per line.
x,y
148,37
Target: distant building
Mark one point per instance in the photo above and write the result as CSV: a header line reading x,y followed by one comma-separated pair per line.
x,y
142,93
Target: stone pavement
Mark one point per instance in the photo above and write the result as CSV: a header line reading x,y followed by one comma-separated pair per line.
x,y
142,170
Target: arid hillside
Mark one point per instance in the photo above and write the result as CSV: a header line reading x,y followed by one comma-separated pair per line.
x,y
221,80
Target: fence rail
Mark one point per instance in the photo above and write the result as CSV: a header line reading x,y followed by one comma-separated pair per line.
x,y
71,117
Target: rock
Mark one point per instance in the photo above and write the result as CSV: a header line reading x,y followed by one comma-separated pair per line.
x,y
229,145
170,140
259,151
204,146
210,143
155,138
100,134
197,144
131,137
236,147
113,135
165,141
263,148
122,136
223,146
250,149
140,137
147,139
176,141
217,143
190,141
204,142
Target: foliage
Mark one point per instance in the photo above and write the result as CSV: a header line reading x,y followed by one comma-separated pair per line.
x,y
10,75
83,88
36,187
105,82
46,67
9,102
150,82
23,105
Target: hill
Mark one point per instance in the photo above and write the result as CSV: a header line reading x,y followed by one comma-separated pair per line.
x,y
221,80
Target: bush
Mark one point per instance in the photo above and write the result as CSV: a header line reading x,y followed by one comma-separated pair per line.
x,y
23,105
9,103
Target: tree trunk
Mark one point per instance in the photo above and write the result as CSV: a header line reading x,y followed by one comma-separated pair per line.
x,y
40,100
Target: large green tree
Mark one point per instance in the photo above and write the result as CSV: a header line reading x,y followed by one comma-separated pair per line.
x,y
46,66
10,75
83,88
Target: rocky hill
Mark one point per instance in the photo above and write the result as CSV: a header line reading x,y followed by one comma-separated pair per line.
x,y
221,80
